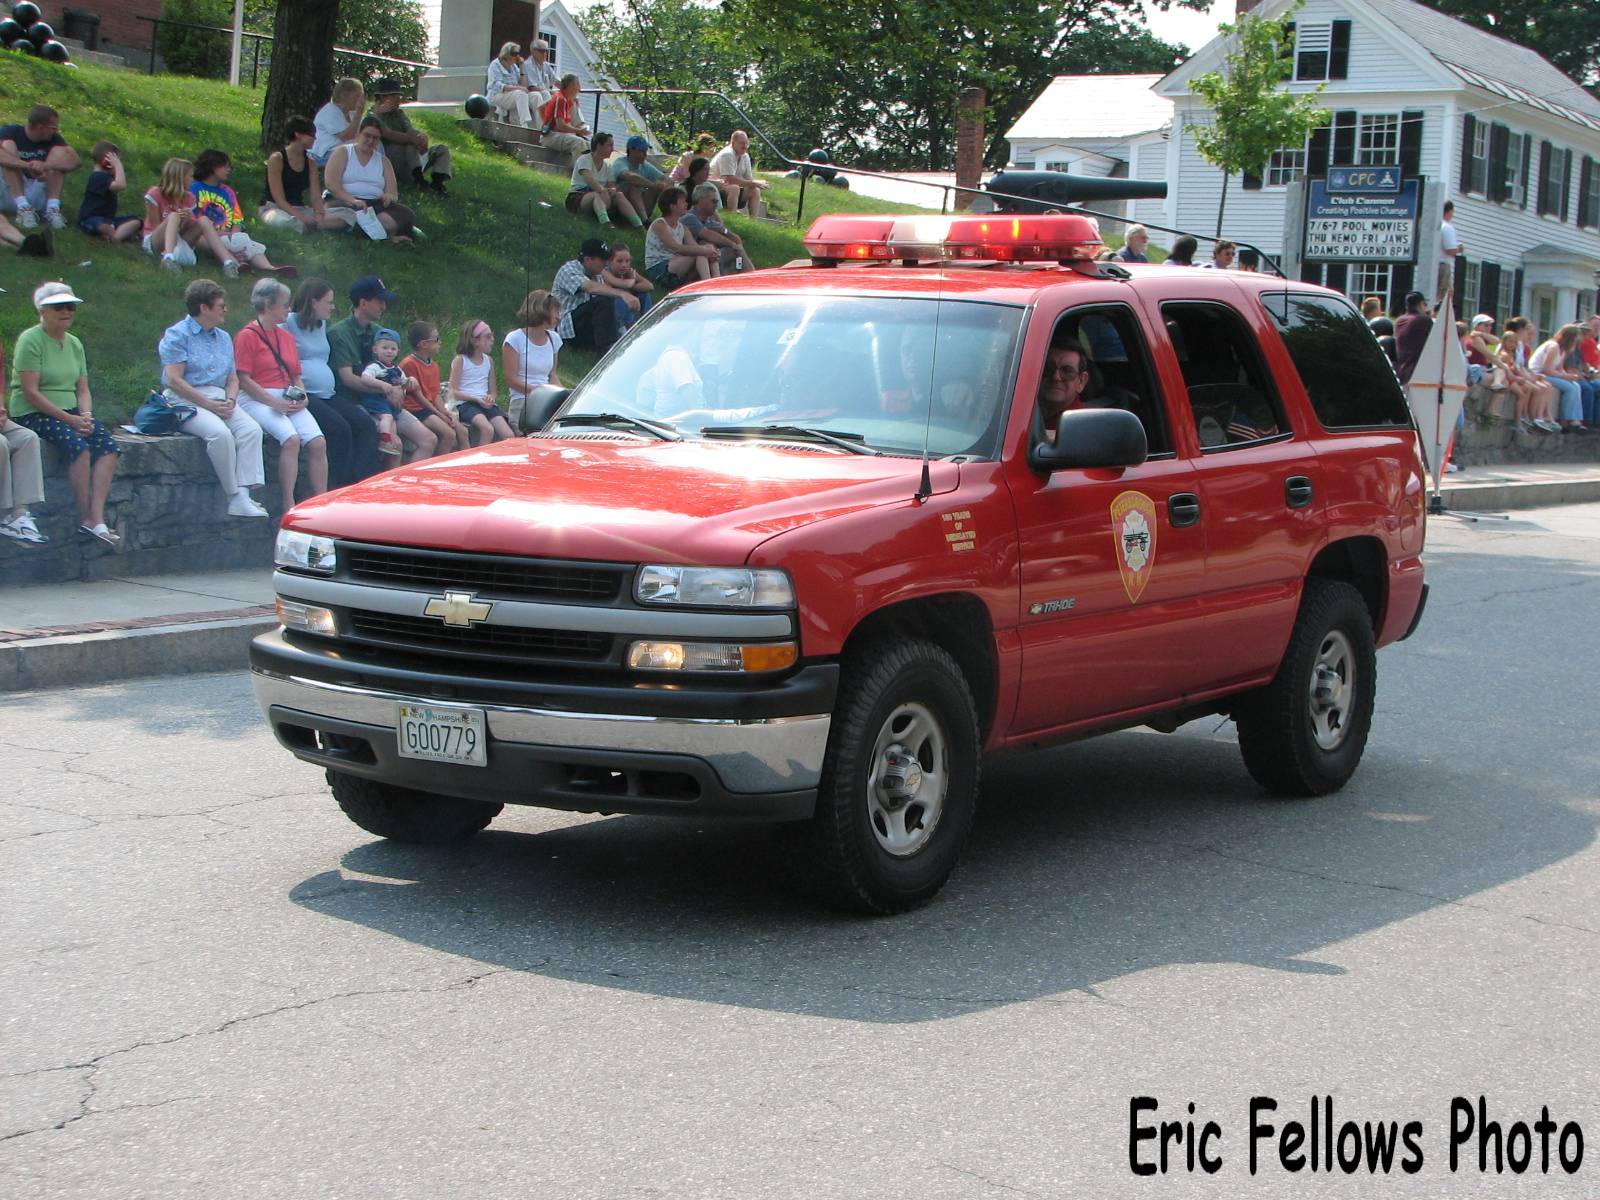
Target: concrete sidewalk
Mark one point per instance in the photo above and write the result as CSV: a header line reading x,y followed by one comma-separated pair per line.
x,y
66,634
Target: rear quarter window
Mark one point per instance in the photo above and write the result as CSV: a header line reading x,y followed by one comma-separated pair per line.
x,y
1345,373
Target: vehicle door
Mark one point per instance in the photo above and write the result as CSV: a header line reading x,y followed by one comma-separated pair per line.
x,y
1112,559
1260,482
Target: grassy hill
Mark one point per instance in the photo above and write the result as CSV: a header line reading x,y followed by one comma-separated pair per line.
x,y
501,231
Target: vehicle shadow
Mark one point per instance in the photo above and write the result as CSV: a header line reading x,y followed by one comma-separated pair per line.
x,y
1089,862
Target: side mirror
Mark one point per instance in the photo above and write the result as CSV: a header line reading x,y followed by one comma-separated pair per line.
x,y
1092,437
542,404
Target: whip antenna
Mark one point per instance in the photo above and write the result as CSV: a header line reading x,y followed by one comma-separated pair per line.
x,y
925,487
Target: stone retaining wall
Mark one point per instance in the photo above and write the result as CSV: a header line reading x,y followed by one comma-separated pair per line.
x,y
1490,438
166,503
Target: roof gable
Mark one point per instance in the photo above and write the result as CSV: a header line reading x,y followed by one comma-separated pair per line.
x,y
1093,107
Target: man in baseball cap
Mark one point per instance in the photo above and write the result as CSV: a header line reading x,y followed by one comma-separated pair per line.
x,y
637,178
349,352
406,146
593,313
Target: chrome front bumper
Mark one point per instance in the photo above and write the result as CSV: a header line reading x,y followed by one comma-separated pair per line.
x,y
766,768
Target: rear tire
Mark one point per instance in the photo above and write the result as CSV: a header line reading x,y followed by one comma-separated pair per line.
x,y
403,815
900,781
1303,734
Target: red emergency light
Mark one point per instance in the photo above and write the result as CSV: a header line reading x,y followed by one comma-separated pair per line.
x,y
996,237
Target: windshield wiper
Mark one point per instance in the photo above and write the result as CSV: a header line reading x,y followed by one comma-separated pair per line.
x,y
852,442
665,432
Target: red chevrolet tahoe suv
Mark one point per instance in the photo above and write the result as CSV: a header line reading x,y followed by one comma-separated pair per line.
x,y
801,548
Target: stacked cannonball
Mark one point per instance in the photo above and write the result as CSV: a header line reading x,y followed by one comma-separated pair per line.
x,y
27,32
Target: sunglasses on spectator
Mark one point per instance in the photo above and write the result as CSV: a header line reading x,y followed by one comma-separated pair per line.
x,y
63,307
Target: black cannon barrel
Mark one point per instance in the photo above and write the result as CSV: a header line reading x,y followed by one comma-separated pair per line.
x,y
1043,190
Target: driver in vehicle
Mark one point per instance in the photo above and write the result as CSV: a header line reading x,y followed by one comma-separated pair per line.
x,y
1061,386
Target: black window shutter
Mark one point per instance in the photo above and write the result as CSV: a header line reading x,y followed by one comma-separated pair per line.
x,y
1546,179
1468,122
1527,161
1499,147
1310,272
1317,153
1250,181
1286,51
1566,184
1489,290
1459,284
1339,59
1585,189
1516,292
1401,281
1338,276
1410,145
1344,138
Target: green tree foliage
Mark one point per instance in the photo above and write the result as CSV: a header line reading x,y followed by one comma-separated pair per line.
x,y
195,51
873,81
391,27
1252,114
1567,32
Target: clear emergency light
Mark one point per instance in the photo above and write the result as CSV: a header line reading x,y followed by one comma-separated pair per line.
x,y
993,237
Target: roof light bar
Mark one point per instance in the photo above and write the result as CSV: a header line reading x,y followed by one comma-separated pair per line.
x,y
992,238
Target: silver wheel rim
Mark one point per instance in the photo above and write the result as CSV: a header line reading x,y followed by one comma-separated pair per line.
x,y
908,776
1333,690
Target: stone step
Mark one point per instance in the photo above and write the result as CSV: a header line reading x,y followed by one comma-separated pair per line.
x,y
81,54
549,161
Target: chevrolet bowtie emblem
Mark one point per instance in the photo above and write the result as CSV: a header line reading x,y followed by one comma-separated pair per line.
x,y
458,609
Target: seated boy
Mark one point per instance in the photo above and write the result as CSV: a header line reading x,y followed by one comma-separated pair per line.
x,y
385,350
97,215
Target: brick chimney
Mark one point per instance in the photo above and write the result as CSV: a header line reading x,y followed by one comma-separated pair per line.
x,y
969,141
1240,7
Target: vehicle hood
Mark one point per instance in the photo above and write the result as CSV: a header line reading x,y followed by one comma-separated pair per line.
x,y
618,500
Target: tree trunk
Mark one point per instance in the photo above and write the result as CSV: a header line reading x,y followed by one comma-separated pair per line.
x,y
301,79
1222,201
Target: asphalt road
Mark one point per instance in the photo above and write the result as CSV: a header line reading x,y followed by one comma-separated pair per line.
x,y
213,985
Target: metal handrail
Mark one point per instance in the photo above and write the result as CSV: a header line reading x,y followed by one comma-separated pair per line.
x,y
257,39
807,167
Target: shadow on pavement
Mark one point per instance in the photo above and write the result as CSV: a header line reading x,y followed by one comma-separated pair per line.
x,y
1089,862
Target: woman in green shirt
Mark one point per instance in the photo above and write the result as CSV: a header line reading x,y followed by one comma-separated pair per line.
x,y
50,395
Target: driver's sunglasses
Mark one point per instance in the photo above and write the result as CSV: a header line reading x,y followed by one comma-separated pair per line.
x,y
1068,372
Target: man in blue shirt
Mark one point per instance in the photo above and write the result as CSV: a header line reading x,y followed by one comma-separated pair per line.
x,y
197,370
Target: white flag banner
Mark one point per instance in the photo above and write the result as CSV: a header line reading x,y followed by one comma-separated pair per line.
x,y
1438,388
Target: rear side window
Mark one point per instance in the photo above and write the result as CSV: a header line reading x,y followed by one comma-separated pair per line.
x,y
1350,382
1231,398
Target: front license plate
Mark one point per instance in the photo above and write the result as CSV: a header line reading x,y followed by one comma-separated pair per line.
x,y
452,735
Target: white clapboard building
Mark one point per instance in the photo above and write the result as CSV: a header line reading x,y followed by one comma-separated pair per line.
x,y
1486,123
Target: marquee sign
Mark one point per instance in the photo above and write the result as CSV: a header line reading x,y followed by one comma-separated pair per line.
x,y
1364,225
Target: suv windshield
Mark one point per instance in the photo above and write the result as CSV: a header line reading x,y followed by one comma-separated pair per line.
x,y
869,368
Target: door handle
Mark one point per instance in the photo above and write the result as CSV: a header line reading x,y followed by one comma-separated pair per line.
x,y
1183,508
1297,490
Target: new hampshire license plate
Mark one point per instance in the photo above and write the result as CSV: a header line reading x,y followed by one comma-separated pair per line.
x,y
452,735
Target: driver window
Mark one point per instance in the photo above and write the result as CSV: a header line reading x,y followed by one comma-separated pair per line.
x,y
1097,359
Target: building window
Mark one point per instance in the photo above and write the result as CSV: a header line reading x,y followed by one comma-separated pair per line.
x,y
1516,179
1060,167
1025,166
1478,160
1467,303
1378,140
1312,45
1547,315
1286,166
1370,279
1506,302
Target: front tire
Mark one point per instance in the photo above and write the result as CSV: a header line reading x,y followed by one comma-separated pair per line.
x,y
900,781
404,815
1303,734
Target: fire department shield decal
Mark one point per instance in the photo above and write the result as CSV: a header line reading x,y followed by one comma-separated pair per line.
x,y
1133,525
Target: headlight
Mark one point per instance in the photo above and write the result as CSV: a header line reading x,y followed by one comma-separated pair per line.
x,y
305,552
712,656
715,587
